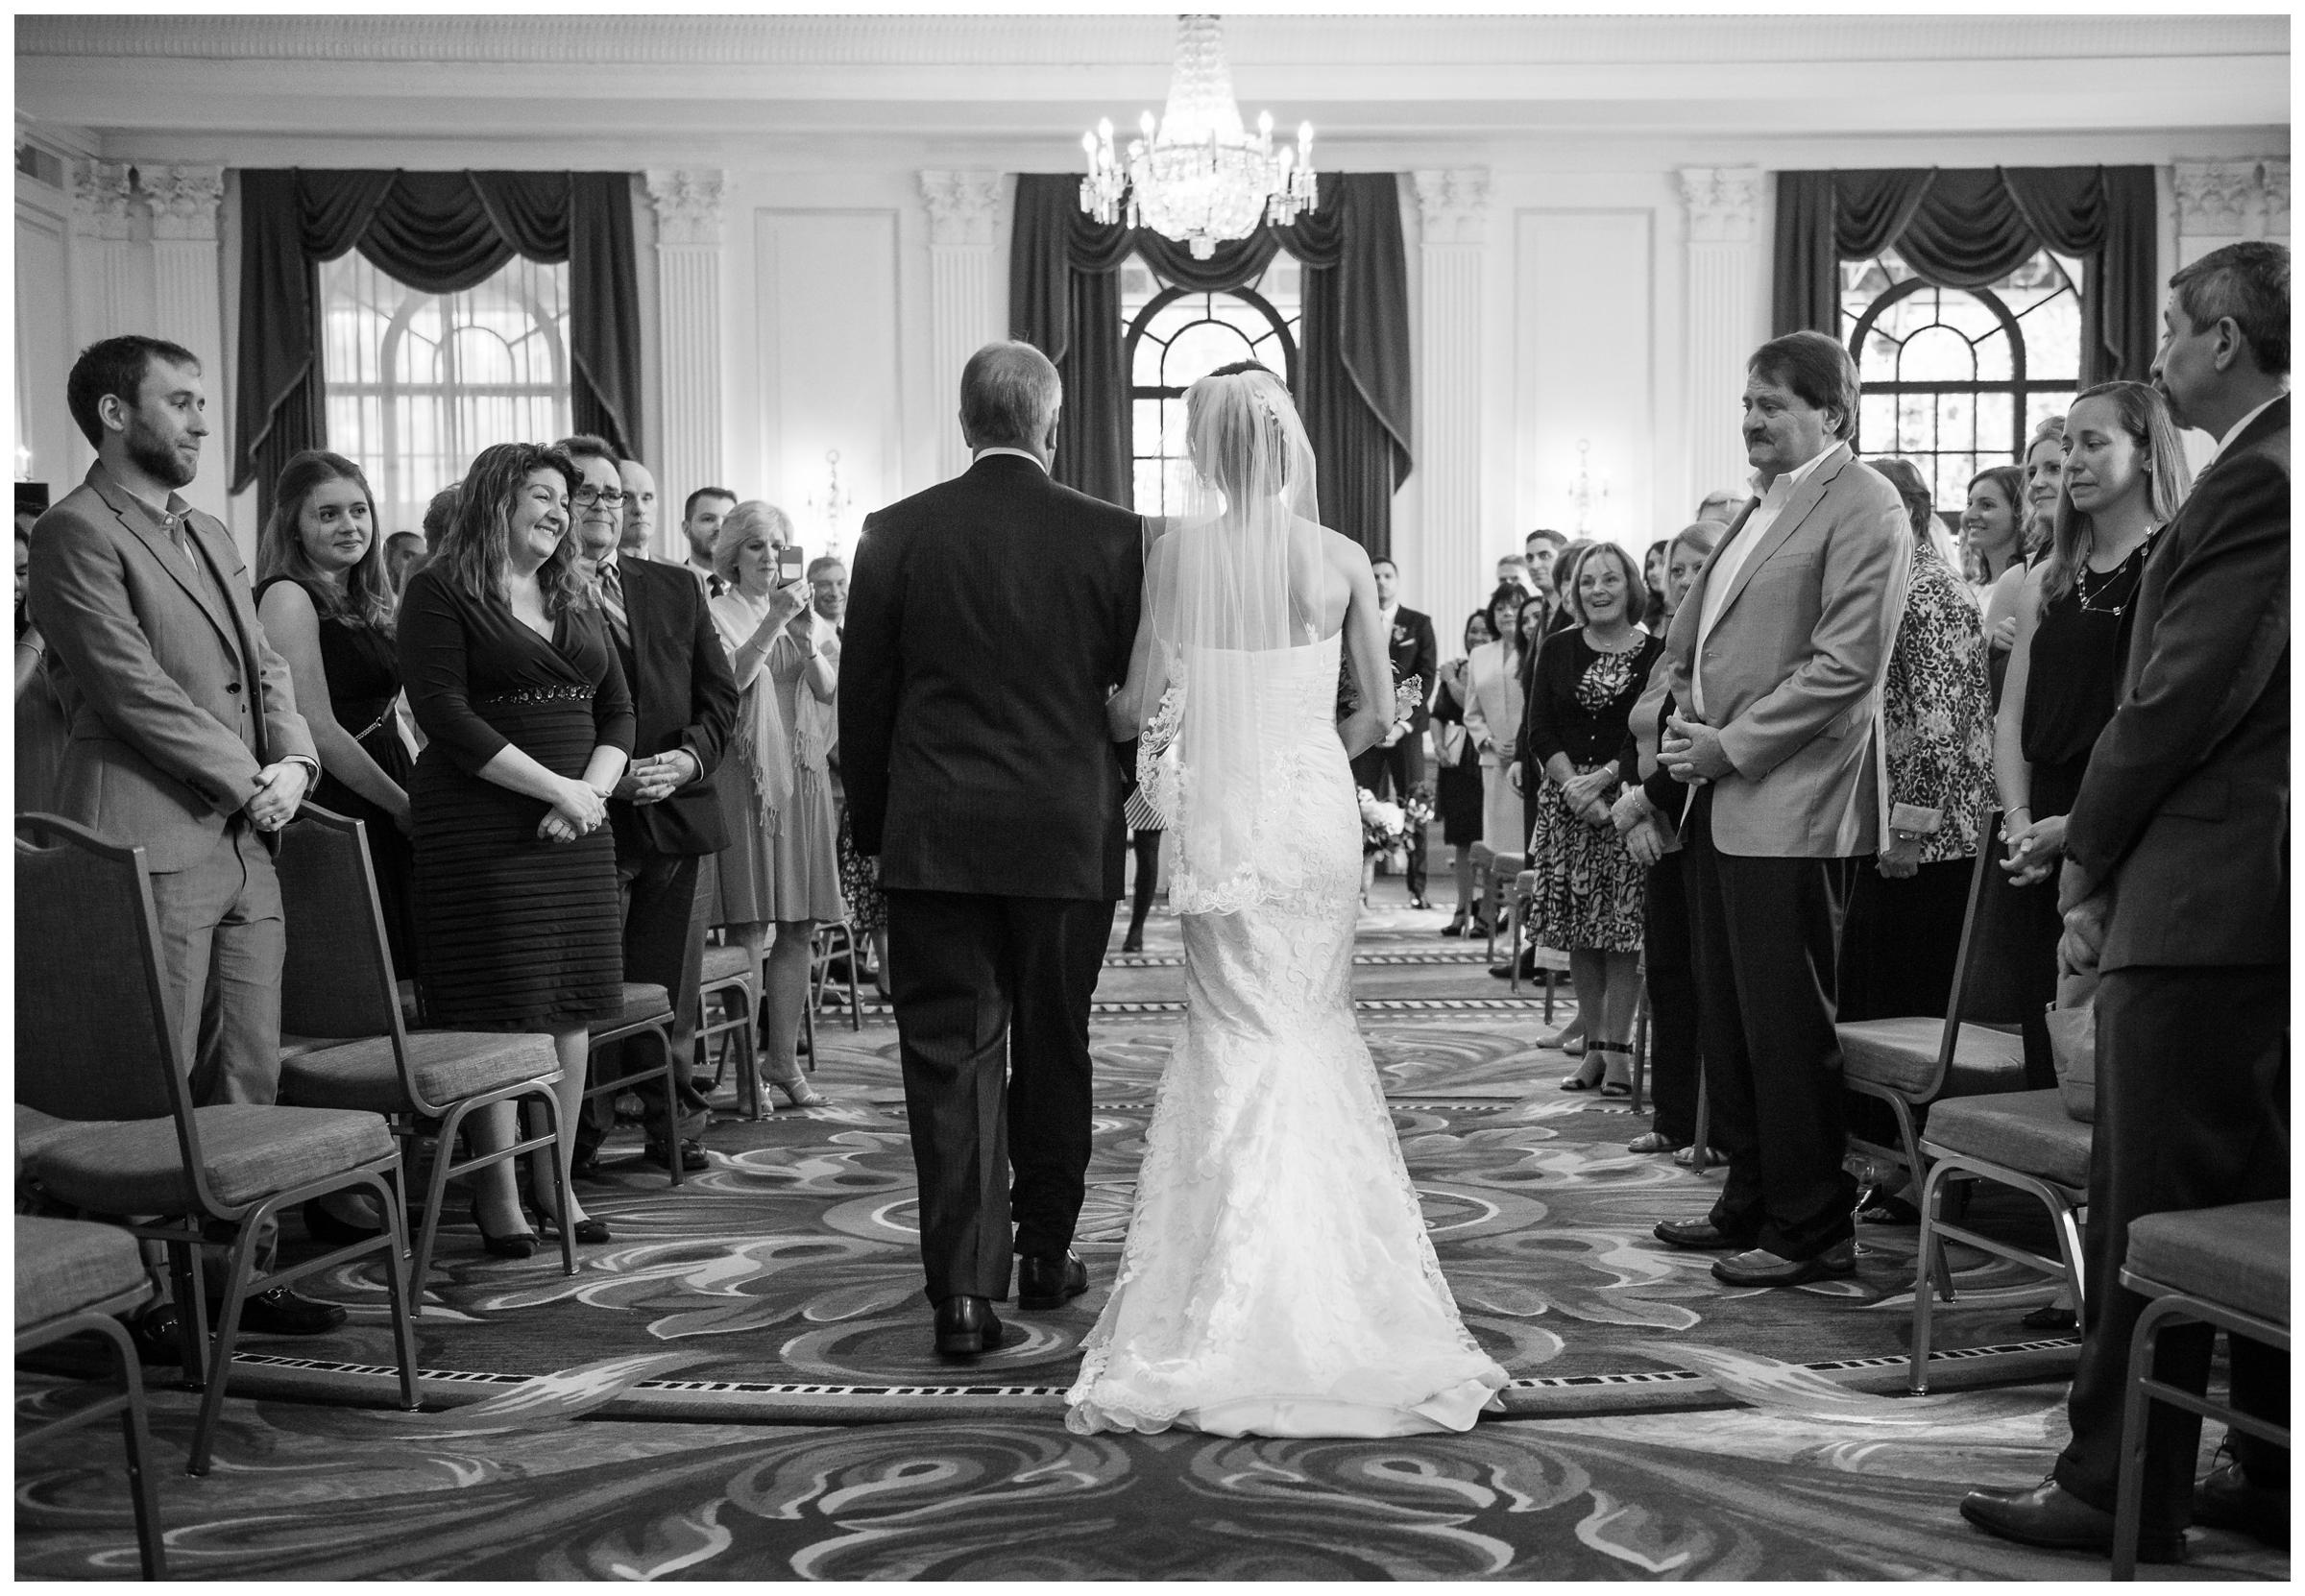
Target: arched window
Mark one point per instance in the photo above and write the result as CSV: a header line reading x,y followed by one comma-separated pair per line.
x,y
1954,378
419,383
1177,336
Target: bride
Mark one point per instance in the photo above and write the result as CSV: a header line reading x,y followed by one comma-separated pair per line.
x,y
1277,1279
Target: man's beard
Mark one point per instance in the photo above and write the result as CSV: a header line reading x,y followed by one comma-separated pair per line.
x,y
157,459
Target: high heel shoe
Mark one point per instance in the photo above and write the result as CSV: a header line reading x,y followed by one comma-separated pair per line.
x,y
1456,927
1617,1061
520,1244
798,1092
1587,1078
1134,941
589,1232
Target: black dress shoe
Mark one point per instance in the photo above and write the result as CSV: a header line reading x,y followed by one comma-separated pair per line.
x,y
2053,1317
1050,1282
280,1311
2226,1500
516,1243
1134,942
691,1154
1698,1236
159,1336
2050,1516
966,1327
1757,1267
1528,968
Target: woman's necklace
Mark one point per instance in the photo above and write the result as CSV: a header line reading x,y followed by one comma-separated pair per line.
x,y
2107,583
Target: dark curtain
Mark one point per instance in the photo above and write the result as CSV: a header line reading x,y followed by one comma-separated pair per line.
x,y
439,232
1965,229
1352,383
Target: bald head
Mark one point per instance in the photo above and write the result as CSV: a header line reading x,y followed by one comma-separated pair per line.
x,y
1008,399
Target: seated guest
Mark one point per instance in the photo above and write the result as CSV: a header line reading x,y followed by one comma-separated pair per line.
x,y
517,688
404,552
2124,477
322,594
1904,932
1588,888
1647,815
1457,791
781,867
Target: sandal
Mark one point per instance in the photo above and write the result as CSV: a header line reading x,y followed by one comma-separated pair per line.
x,y
1584,1080
1653,1141
1686,1156
1622,1062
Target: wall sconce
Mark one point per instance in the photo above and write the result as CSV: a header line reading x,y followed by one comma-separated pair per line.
x,y
1582,494
831,502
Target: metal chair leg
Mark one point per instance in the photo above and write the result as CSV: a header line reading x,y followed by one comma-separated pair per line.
x,y
2128,1497
136,1439
1929,1262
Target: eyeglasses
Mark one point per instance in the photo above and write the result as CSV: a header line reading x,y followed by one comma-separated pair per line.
x,y
588,496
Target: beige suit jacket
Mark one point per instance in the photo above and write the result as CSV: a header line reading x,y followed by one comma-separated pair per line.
x,y
1794,664
172,699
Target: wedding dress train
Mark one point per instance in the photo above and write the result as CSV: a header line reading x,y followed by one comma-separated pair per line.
x,y
1277,1279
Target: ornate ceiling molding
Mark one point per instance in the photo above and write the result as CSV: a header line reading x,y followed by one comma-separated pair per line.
x,y
688,205
962,206
1453,204
2232,198
1722,202
184,199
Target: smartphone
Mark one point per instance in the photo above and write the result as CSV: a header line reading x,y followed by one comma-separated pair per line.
x,y
790,563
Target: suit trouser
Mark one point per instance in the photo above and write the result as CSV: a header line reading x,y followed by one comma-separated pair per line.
x,y
1766,933
1403,766
1669,969
663,945
2191,1112
991,996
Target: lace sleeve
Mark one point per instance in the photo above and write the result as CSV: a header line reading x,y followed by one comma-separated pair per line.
x,y
1160,772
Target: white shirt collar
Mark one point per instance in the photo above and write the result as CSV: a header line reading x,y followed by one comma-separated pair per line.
x,y
2224,443
1004,449
1796,476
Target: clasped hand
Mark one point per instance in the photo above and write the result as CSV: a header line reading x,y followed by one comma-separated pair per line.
x,y
2034,850
1587,796
1691,751
656,778
279,790
580,809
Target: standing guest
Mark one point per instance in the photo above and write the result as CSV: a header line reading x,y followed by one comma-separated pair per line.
x,y
1396,765
1515,569
781,869
1778,655
182,733
2124,477
40,727
1493,705
404,552
1651,578
638,534
327,606
859,877
1647,814
663,812
1993,538
2176,887
1523,774
1458,784
1722,505
440,513
700,520
1588,887
828,590
1540,549
1904,933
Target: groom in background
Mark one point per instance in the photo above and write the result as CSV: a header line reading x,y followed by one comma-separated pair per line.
x,y
1409,644
989,618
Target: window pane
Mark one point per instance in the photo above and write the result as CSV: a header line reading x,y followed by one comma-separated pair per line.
x,y
1936,355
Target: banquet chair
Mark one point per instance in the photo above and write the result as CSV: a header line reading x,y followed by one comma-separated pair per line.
x,y
820,959
646,1015
733,976
2226,1267
74,1278
104,1055
338,997
1551,960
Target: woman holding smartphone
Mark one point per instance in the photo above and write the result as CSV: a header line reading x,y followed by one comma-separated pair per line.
x,y
782,867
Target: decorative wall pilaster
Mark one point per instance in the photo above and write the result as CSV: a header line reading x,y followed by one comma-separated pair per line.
x,y
2223,201
101,192
1453,565
963,305
688,337
1724,318
189,297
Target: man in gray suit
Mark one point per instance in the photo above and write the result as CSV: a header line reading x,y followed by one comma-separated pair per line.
x,y
185,739
1778,655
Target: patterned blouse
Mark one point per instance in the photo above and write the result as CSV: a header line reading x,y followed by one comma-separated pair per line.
x,y
1940,714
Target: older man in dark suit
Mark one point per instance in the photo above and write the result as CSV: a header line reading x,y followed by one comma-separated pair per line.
x,y
990,618
185,739
2176,888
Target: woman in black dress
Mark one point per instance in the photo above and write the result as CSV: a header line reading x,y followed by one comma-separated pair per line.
x,y
327,609
514,682
1457,786
2124,477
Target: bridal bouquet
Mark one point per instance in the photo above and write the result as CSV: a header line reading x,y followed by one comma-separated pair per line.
x,y
1383,825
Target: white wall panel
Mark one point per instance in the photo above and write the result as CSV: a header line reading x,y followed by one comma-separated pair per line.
x,y
58,456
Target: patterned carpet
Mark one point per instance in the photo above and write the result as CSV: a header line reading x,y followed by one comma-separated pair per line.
x,y
781,1287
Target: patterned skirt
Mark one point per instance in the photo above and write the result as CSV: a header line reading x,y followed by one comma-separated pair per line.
x,y
1589,887
861,883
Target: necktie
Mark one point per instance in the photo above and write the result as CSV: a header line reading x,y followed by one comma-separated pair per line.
x,y
612,599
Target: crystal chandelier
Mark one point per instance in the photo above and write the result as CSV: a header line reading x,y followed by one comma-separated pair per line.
x,y
1199,176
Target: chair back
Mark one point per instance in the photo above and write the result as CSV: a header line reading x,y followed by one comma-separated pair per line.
x,y
337,980
1982,992
95,1021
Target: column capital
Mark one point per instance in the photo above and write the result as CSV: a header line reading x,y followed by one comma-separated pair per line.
x,y
2276,198
1453,204
962,206
1722,202
2214,197
100,196
688,205
184,199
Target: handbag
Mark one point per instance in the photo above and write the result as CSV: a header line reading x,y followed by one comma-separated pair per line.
x,y
2072,1024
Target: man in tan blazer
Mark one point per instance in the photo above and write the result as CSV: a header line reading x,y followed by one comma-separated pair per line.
x,y
1777,656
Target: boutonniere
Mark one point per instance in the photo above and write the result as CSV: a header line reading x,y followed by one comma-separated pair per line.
x,y
1401,632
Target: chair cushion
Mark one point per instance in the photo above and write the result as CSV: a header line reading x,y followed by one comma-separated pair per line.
x,y
63,1266
729,963
1901,1054
2237,1257
252,1150
35,1131
447,1065
2028,1131
641,1003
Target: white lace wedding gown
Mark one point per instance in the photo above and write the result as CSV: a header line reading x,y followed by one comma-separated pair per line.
x,y
1277,1278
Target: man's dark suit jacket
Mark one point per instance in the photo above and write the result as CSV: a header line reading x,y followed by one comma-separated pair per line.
x,y
684,696
2185,806
1415,652
988,618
